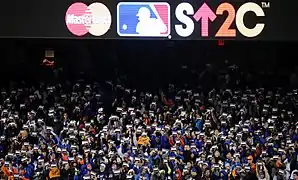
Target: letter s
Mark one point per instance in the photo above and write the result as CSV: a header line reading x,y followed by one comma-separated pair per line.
x,y
183,18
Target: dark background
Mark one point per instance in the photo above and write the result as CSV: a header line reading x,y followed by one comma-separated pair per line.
x,y
45,18
148,64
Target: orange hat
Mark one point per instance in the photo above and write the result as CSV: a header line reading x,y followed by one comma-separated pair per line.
x,y
250,157
54,172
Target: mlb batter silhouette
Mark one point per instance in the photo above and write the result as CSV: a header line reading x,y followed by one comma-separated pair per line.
x,y
148,26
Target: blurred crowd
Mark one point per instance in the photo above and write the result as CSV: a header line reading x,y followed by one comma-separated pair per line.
x,y
217,123
65,131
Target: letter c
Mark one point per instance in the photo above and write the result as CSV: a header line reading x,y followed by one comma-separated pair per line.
x,y
253,32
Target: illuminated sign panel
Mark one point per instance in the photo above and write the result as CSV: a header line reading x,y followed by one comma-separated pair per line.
x,y
143,19
151,19
81,19
185,14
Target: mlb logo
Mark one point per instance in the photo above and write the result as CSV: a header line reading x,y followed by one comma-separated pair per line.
x,y
143,19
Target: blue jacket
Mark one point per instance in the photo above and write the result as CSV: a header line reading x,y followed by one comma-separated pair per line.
x,y
164,141
199,124
29,171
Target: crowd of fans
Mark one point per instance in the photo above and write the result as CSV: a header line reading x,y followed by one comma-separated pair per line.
x,y
57,131
77,131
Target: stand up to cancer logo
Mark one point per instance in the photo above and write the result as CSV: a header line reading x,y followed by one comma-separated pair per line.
x,y
81,19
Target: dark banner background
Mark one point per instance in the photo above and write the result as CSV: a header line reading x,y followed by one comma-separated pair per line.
x,y
46,19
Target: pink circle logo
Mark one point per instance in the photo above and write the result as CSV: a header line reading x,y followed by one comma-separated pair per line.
x,y
81,19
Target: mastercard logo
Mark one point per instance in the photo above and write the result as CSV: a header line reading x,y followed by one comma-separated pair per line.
x,y
81,19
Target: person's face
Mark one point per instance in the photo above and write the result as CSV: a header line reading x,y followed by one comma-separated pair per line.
x,y
203,158
207,173
295,177
261,175
217,154
249,160
188,164
52,156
